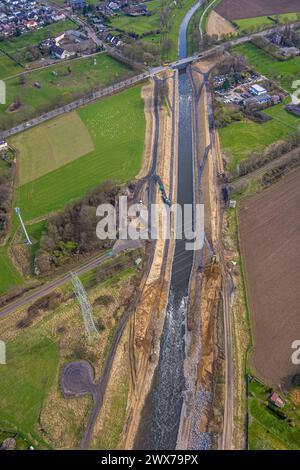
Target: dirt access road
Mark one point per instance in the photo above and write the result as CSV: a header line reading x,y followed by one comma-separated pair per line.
x,y
239,9
269,230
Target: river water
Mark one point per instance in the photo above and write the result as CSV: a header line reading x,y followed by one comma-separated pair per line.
x,y
161,414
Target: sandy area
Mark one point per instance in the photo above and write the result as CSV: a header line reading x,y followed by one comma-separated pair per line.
x,y
219,26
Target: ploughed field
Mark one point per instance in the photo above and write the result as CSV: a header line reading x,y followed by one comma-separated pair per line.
x,y
237,9
269,231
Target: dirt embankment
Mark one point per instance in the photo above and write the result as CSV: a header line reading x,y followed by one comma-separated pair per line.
x,y
201,339
219,26
147,322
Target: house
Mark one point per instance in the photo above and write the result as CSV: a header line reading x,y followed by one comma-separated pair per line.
x,y
3,145
257,90
60,53
276,400
77,3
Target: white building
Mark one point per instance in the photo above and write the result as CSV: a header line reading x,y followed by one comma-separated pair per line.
x,y
257,90
3,145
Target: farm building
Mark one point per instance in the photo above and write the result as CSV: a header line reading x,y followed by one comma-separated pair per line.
x,y
276,400
257,90
60,53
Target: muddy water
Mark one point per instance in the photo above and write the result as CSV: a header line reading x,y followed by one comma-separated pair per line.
x,y
161,414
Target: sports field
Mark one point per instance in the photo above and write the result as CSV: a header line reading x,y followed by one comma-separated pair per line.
x,y
240,138
281,72
50,146
116,126
59,84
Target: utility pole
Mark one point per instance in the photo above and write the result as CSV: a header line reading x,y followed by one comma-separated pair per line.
x,y
18,212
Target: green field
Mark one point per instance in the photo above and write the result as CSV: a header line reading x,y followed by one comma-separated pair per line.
x,y
15,46
117,127
261,22
9,276
57,90
240,138
281,72
266,430
25,381
8,67
50,146
146,24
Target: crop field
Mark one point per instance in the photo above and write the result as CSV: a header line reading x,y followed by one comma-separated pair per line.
x,y
249,24
116,126
70,81
237,9
281,72
8,67
15,46
50,146
240,138
38,348
268,228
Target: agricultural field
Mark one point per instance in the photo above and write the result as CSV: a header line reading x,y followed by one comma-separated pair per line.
x,y
51,145
59,84
284,73
116,127
8,67
271,277
266,430
16,46
41,340
240,138
9,276
238,9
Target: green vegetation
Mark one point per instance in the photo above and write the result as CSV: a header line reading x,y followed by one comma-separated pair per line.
x,y
240,138
117,127
281,72
9,276
51,145
25,381
169,28
261,22
68,82
8,67
15,46
267,431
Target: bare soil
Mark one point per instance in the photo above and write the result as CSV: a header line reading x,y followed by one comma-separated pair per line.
x,y
218,25
238,9
269,233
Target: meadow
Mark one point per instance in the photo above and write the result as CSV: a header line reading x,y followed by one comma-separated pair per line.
x,y
8,67
281,72
240,138
51,145
266,430
37,352
59,84
261,22
116,126
144,24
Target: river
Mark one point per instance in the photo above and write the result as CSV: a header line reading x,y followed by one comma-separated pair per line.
x,y
161,413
